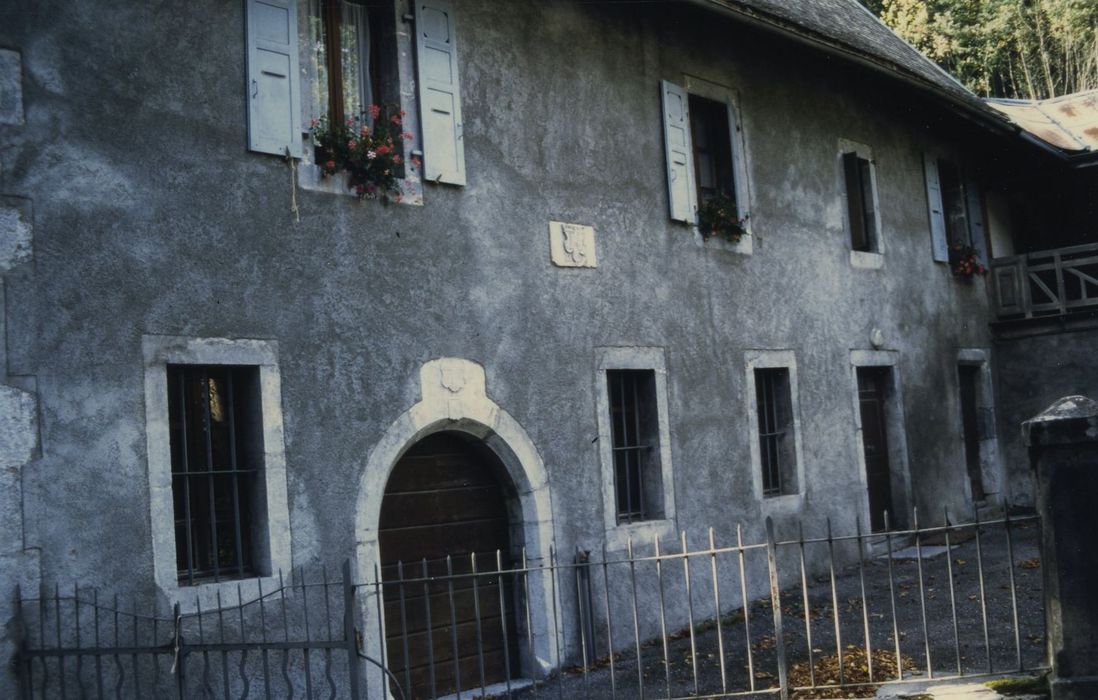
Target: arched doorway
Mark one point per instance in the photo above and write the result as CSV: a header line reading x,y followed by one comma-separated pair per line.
x,y
448,495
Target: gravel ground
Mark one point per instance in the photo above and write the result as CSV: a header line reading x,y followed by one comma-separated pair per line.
x,y
950,646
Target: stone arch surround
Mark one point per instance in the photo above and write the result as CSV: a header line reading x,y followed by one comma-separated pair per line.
x,y
454,398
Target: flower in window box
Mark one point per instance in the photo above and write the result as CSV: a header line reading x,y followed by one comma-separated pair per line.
x,y
367,148
965,261
719,216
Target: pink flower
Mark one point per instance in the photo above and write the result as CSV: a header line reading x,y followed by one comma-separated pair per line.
x,y
371,188
416,162
370,155
330,165
350,121
352,144
396,119
397,160
315,123
374,111
408,136
360,190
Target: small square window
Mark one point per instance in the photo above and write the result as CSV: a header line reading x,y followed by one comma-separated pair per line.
x,y
777,439
215,435
861,211
634,430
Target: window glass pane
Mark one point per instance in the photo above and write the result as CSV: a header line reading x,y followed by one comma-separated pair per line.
x,y
709,129
355,47
953,203
319,50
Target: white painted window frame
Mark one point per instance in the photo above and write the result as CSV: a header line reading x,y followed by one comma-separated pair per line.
x,y
729,96
773,359
273,552
896,425
640,358
862,259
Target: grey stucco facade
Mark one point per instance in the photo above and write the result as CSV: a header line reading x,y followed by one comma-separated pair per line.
x,y
151,218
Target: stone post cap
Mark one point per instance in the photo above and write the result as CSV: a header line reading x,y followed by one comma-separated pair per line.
x,y
1070,420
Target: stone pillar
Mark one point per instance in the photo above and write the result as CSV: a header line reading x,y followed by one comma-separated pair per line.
x,y
1063,452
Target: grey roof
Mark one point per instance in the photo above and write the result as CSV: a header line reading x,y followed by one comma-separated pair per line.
x,y
848,27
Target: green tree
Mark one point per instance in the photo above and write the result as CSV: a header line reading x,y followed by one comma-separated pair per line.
x,y
1030,49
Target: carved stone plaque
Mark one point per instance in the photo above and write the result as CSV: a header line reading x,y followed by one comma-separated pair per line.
x,y
572,245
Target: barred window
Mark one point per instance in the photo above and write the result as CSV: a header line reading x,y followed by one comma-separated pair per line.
x,y
777,447
634,428
216,441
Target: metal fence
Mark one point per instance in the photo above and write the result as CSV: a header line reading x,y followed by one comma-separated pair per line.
x,y
775,617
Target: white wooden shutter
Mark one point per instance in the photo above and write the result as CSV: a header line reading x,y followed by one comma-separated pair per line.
x,y
274,111
977,232
439,92
934,205
679,151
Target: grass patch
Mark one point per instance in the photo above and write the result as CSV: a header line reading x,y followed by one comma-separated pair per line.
x,y
1027,685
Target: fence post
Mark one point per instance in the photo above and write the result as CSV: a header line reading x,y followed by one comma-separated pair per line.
x,y
350,636
1063,452
776,607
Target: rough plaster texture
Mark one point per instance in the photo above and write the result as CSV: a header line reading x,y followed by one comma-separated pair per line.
x,y
153,219
11,87
1032,372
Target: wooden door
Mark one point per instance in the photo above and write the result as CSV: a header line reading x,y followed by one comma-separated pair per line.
x,y
872,391
443,498
968,375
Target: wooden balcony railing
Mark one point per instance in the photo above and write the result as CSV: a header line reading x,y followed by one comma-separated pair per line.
x,y
1045,283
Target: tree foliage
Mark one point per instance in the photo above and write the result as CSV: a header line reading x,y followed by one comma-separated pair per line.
x,y
1030,49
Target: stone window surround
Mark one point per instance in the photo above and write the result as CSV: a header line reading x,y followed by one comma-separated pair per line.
x,y
773,359
861,258
643,358
274,553
990,462
722,93
896,428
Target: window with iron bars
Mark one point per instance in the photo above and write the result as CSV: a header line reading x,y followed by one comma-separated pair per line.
x,y
634,427
777,453
216,440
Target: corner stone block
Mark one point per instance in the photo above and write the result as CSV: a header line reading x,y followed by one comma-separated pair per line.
x,y
16,232
11,87
1063,451
18,426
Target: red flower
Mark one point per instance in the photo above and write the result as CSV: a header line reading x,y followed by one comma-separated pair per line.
x,y
383,149
360,190
330,165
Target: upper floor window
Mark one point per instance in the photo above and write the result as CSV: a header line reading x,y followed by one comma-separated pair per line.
x,y
356,57
705,165
956,209
346,42
860,203
712,146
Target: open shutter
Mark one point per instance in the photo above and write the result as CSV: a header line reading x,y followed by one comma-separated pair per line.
x,y
678,146
274,111
977,232
934,205
439,92
855,203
